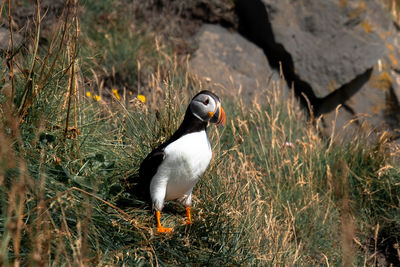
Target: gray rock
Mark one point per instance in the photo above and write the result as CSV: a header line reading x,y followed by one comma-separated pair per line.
x,y
370,107
229,61
330,43
335,52
340,124
5,39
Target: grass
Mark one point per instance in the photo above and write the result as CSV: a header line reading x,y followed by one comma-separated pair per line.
x,y
275,193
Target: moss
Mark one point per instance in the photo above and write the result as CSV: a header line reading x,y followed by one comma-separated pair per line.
x,y
393,59
343,3
367,27
383,81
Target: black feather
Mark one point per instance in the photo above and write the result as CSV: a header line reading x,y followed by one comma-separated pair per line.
x,y
139,185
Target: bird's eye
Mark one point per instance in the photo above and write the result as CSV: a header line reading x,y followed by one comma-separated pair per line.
x,y
206,101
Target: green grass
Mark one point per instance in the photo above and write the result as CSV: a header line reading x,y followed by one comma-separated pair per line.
x,y
261,201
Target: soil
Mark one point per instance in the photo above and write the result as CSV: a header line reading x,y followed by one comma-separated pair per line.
x,y
177,21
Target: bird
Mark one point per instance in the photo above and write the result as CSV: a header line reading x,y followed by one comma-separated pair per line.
x,y
171,171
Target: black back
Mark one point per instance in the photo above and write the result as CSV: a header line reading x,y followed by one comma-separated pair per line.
x,y
149,166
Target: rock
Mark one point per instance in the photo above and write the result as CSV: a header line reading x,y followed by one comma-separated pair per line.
x,y
24,18
5,39
229,61
330,43
339,124
333,52
373,107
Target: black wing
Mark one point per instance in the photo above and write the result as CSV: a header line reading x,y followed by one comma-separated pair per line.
x,y
149,166
140,185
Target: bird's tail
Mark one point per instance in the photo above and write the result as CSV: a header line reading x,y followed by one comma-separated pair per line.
x,y
135,192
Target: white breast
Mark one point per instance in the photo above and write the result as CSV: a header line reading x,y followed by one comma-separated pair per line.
x,y
185,161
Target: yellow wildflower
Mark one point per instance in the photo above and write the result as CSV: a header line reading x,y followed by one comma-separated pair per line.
x,y
96,97
130,92
141,98
88,94
115,91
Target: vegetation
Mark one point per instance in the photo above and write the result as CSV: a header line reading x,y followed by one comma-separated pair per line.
x,y
72,128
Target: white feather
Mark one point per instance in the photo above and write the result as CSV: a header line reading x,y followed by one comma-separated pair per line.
x,y
185,161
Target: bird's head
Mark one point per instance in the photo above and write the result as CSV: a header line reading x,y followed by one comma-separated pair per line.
x,y
206,106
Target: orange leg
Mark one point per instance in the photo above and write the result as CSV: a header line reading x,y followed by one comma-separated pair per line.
x,y
161,229
188,216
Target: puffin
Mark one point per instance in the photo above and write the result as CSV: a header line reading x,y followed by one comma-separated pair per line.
x,y
170,171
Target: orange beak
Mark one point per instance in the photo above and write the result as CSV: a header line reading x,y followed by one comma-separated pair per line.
x,y
217,117
221,117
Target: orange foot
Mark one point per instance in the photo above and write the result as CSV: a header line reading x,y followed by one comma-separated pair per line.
x,y
161,229
164,229
188,216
